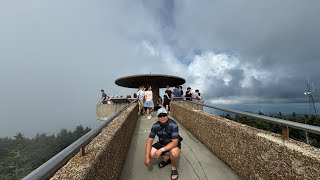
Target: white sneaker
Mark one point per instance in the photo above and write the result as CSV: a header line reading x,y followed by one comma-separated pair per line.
x,y
149,117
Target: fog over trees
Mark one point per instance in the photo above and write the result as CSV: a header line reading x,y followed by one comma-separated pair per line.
x,y
20,156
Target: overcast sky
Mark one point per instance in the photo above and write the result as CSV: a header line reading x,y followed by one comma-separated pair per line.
x,y
55,56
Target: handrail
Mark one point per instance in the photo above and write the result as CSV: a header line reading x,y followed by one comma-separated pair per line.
x,y
283,123
52,165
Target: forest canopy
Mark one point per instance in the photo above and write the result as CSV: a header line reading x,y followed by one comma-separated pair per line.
x,y
19,156
299,135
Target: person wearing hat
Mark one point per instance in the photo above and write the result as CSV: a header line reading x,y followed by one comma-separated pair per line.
x,y
167,131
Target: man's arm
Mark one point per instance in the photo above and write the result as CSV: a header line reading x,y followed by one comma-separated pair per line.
x,y
172,144
148,146
147,160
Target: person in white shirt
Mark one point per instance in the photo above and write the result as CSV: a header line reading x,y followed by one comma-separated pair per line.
x,y
149,102
140,96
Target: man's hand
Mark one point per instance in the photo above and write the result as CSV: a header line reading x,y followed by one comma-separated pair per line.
x,y
147,162
158,153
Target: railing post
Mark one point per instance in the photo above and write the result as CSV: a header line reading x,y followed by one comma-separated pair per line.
x,y
285,132
82,150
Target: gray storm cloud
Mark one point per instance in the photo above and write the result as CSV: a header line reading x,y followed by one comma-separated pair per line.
x,y
277,38
56,56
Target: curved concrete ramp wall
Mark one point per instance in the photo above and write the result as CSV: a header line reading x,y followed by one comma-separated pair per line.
x,y
103,111
253,153
106,153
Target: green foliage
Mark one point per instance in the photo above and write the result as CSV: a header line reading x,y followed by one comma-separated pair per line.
x,y
314,139
21,155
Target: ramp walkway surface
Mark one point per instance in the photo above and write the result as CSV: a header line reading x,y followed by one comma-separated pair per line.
x,y
196,160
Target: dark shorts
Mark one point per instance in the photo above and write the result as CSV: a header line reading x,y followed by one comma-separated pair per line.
x,y
166,102
159,146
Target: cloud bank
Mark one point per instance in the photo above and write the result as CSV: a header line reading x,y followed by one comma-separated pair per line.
x,y
56,56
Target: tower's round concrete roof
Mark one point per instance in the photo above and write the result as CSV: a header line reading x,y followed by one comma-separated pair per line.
x,y
161,80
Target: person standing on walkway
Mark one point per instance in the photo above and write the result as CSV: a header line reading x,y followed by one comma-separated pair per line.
x,y
180,87
103,99
159,102
149,102
167,98
189,94
140,96
167,131
176,93
198,97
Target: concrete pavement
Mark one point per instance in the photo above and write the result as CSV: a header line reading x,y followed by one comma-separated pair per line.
x,y
196,160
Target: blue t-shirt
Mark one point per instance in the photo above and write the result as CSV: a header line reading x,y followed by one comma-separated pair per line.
x,y
176,93
165,132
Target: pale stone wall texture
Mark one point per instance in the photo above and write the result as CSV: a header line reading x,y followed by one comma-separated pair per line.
x,y
252,153
106,153
103,111
191,106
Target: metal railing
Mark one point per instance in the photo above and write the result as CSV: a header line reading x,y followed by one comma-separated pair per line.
x,y
284,123
47,169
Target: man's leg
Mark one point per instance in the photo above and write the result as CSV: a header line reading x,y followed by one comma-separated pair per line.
x,y
140,107
143,108
153,151
174,157
152,155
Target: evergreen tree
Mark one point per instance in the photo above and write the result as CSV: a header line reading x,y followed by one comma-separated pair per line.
x,y
20,156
